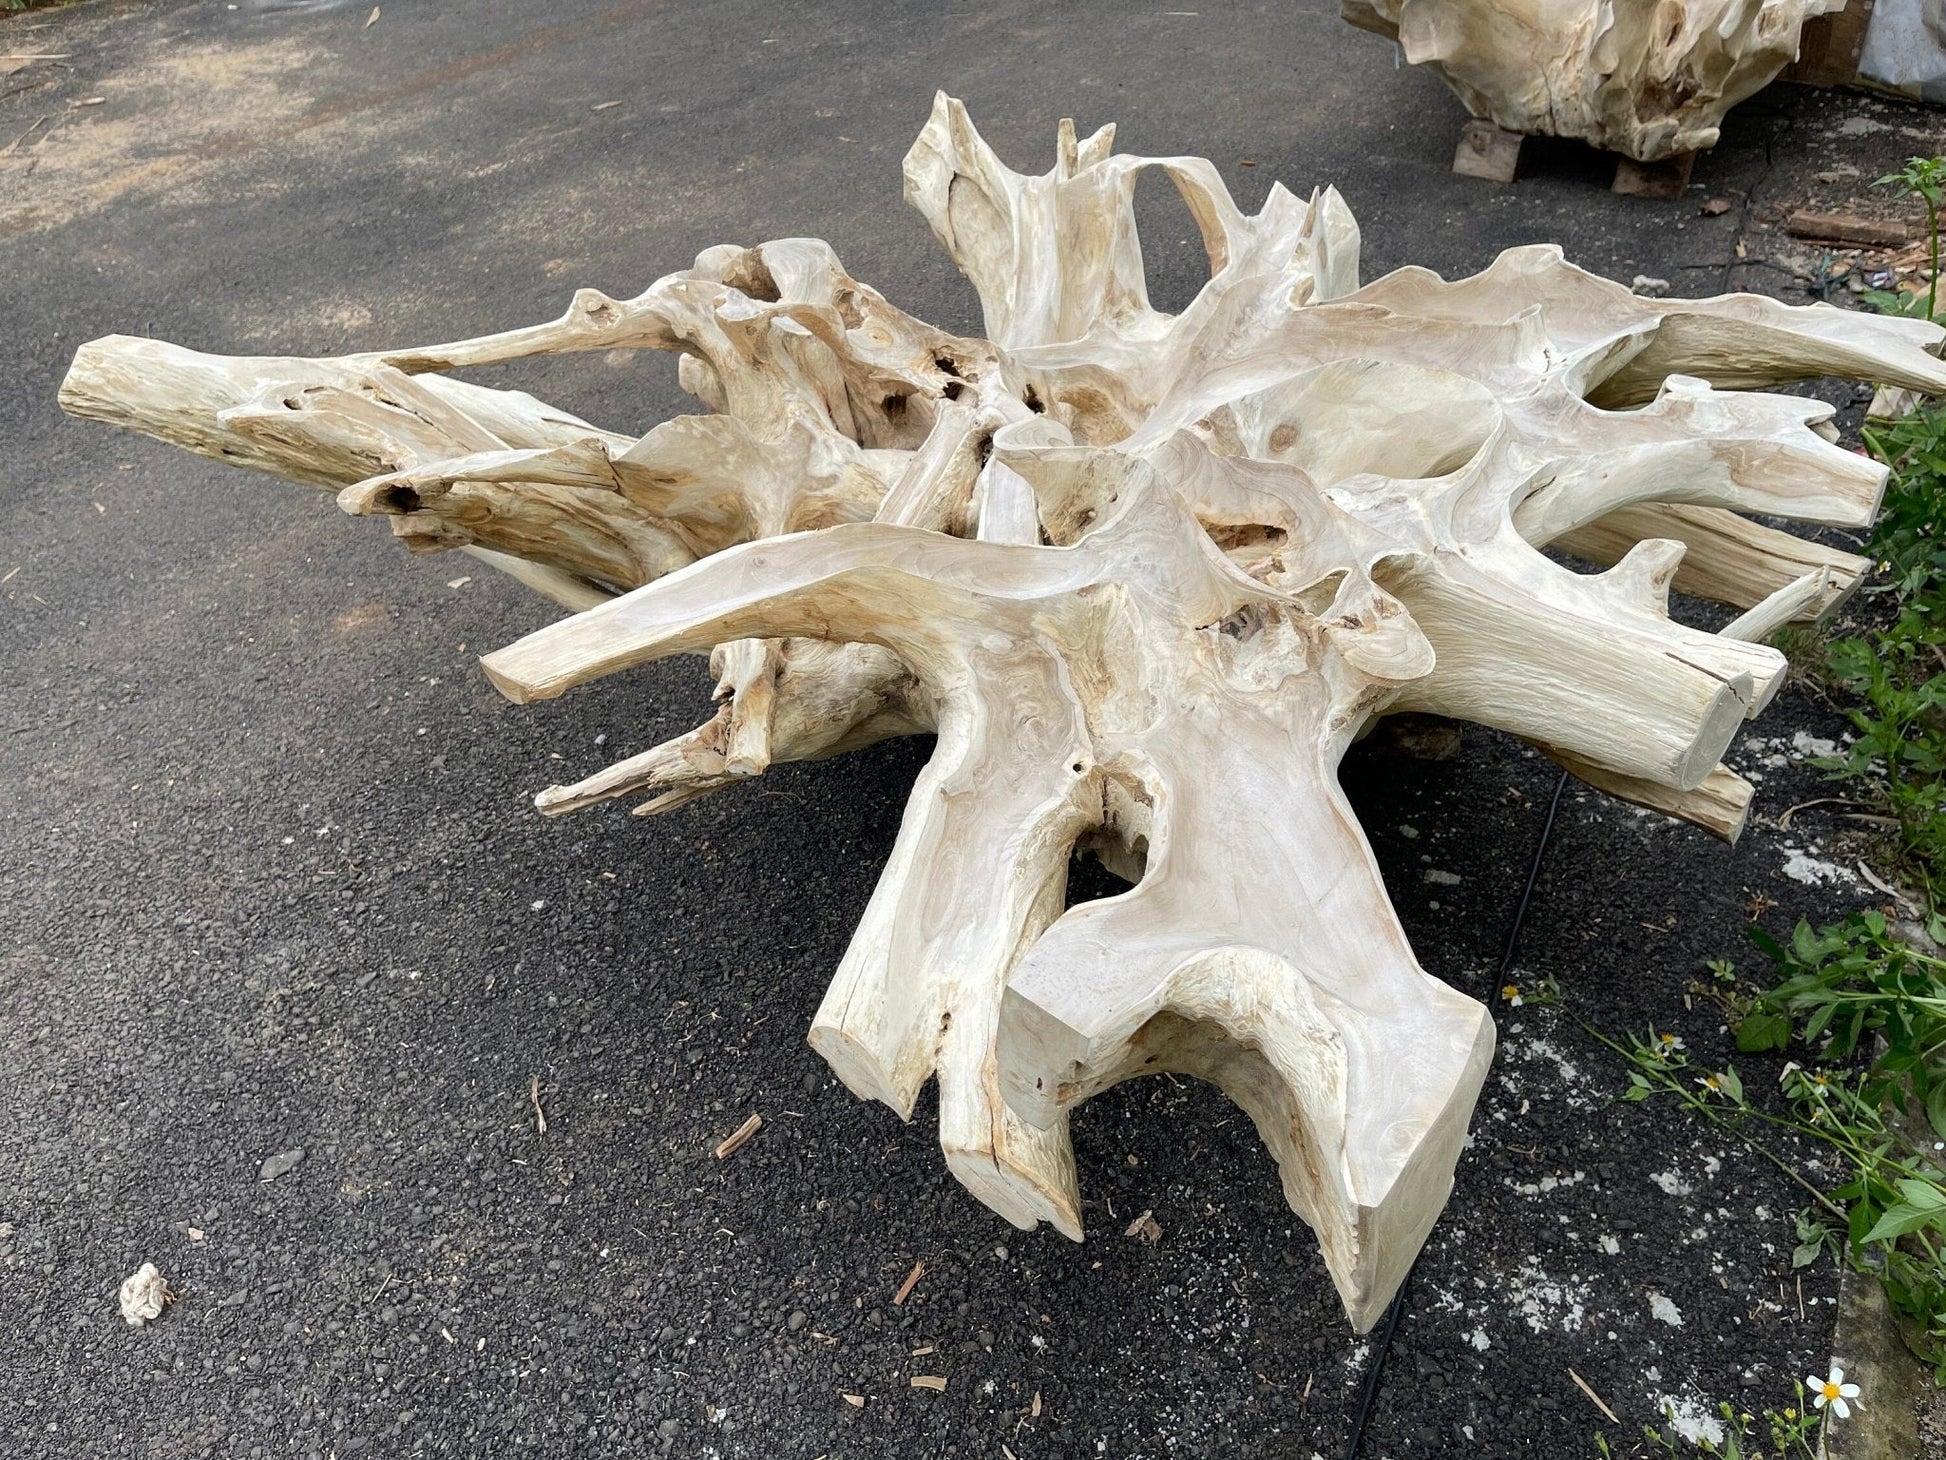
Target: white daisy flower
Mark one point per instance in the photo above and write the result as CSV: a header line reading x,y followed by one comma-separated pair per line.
x,y
1834,1392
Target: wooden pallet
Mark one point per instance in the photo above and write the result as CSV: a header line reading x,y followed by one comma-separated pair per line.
x,y
1490,152
1829,46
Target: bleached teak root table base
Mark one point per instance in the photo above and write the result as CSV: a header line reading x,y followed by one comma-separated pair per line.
x,y
1648,81
1145,576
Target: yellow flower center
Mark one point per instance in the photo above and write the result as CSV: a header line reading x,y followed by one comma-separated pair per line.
x,y
1830,1389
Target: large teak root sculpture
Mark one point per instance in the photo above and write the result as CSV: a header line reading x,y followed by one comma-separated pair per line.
x,y
1145,577
1650,79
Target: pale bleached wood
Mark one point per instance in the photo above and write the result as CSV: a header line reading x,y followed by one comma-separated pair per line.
x,y
1145,576
1034,724
331,423
1650,81
1787,605
813,699
821,387
1730,560
570,592
1719,804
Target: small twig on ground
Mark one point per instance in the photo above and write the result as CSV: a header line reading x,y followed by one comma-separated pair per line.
x,y
1582,1384
24,135
1784,820
911,1282
1885,887
534,1094
737,1137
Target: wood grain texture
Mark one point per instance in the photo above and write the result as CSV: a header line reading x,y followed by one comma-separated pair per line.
x,y
1650,79
1145,576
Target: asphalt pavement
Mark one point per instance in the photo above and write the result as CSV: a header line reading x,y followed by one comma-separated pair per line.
x,y
271,885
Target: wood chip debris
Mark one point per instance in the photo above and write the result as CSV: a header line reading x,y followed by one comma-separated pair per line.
x,y
602,106
10,147
911,1282
370,20
736,1138
1582,1384
856,1401
1716,207
1847,228
20,62
1145,1228
929,1381
1034,1412
534,1094
1879,882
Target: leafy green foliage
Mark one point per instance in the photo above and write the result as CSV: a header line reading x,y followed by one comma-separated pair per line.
x,y
1864,1008
1889,1217
1923,178
1848,982
1898,678
1797,1432
1908,538
1900,747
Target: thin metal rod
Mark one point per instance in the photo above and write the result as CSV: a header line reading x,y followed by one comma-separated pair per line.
x,y
1397,1305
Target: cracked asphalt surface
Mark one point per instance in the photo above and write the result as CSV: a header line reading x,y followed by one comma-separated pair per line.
x,y
271,882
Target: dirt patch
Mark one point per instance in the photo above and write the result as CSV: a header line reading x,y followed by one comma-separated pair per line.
x,y
125,113
165,110
1826,164
365,616
1932,1423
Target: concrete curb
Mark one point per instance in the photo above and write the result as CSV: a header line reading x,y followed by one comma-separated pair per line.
x,y
1884,1425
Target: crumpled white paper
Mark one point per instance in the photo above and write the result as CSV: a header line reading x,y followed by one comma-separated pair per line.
x,y
144,1295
